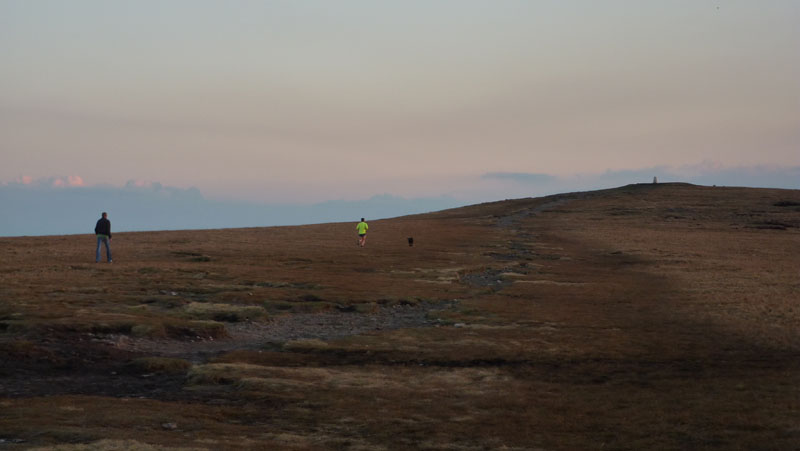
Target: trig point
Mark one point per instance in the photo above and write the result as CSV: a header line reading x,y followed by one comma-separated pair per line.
x,y
655,180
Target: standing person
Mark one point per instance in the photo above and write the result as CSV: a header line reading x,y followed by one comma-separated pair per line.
x,y
103,232
362,232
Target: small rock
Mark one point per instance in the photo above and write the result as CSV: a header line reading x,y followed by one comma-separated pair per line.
x,y
459,325
169,426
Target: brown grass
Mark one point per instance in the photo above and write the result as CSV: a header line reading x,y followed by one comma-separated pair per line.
x,y
646,317
159,365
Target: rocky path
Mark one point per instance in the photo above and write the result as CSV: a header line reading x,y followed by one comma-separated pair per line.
x,y
107,375
282,329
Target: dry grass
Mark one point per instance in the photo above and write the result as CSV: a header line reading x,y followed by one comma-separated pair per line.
x,y
223,312
114,445
159,365
647,317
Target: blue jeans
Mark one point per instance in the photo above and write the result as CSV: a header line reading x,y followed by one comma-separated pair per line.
x,y
103,239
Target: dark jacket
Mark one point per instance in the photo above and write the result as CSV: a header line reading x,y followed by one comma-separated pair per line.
x,y
103,227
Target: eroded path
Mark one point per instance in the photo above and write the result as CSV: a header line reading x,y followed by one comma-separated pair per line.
x,y
287,328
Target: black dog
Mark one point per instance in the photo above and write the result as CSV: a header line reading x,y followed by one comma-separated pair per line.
x,y
410,241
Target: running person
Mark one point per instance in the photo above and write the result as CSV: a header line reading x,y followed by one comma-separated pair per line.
x,y
362,232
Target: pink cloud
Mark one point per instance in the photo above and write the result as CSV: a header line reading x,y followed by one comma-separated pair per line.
x,y
70,181
138,184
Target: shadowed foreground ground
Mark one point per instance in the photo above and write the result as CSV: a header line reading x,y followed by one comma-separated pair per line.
x,y
645,317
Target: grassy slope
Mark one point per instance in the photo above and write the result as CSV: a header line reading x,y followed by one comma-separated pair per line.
x,y
650,316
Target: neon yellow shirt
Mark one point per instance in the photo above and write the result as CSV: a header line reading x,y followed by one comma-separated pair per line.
x,y
362,228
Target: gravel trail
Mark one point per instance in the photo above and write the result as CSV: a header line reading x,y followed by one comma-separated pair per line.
x,y
281,329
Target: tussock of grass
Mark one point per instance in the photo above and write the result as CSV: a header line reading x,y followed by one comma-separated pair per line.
x,y
365,307
220,373
114,445
6,311
18,347
297,285
305,345
149,330
269,384
80,325
391,301
68,435
193,256
159,365
165,301
141,326
224,312
178,328
467,381
463,315
309,297
146,327
201,329
298,306
13,327
20,350
263,358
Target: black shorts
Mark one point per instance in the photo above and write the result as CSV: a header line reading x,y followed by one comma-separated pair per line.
x,y
362,234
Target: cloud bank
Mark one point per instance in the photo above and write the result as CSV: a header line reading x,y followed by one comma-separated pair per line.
x,y
52,182
64,205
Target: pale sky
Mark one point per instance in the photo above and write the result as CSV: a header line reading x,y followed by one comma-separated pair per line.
x,y
317,100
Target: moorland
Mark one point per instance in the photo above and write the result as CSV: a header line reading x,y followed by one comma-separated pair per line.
x,y
651,316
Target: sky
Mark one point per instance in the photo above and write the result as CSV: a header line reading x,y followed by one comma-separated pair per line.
x,y
303,102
